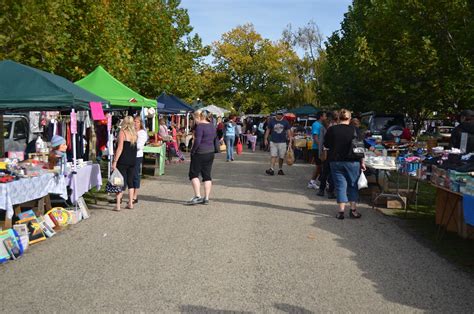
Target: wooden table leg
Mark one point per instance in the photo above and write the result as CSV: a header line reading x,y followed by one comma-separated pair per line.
x,y
47,204
7,224
157,165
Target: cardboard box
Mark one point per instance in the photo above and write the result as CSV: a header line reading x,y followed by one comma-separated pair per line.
x,y
396,203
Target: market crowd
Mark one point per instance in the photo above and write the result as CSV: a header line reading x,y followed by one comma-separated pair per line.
x,y
336,139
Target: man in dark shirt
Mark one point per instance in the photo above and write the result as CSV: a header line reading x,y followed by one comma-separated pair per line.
x,y
466,126
280,131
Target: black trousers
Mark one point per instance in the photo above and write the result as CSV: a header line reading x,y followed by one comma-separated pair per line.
x,y
201,164
325,178
128,174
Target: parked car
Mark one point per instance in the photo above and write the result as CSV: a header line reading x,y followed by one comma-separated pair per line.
x,y
382,124
15,132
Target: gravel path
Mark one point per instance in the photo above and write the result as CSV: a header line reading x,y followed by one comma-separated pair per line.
x,y
264,244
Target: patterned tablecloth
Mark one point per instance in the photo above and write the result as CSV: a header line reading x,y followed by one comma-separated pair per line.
x,y
87,177
28,189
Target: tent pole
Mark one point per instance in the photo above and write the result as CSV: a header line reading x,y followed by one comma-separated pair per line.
x,y
187,122
74,154
2,137
110,146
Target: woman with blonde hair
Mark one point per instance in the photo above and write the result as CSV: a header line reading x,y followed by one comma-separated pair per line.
x,y
142,137
345,167
202,157
125,159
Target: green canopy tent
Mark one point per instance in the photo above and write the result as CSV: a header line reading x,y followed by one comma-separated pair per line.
x,y
100,82
305,110
23,88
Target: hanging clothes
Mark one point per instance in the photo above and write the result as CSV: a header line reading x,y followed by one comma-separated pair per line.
x,y
34,118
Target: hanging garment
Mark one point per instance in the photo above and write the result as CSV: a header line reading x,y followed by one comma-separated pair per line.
x,y
34,118
68,137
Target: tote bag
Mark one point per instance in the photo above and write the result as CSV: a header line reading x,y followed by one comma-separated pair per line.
x,y
239,147
290,156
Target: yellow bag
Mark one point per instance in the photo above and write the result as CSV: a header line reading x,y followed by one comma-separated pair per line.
x,y
223,147
290,156
300,142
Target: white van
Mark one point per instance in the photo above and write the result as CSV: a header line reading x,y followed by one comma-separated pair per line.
x,y
15,132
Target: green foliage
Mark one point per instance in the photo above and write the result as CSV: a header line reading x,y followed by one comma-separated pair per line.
x,y
144,43
413,57
250,73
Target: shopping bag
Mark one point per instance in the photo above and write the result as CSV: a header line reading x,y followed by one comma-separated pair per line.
x,y
239,147
115,183
290,156
362,183
223,147
116,178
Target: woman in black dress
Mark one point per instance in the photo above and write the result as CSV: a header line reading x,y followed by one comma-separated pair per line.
x,y
125,159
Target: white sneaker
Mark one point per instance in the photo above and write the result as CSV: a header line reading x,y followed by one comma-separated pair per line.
x,y
312,185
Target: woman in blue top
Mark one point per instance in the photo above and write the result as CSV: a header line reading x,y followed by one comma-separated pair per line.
x,y
202,157
229,137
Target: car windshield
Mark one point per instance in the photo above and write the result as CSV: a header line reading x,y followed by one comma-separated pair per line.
x,y
7,125
383,123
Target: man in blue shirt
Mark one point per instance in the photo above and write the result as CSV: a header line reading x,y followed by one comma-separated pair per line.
x,y
316,130
280,133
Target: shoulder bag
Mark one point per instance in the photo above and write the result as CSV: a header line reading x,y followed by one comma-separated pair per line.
x,y
357,147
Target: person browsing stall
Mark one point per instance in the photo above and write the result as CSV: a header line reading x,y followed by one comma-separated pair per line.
x,y
345,168
464,129
57,156
316,131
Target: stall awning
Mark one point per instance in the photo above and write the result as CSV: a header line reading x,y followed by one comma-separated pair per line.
x,y
305,110
172,104
100,82
24,88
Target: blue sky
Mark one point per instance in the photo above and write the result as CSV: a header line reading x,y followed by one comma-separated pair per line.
x,y
212,18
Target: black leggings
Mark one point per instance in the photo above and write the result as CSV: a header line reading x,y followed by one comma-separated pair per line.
x,y
201,164
128,173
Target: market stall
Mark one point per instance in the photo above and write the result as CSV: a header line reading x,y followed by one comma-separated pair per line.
x,y
179,114
32,90
121,97
450,171
29,189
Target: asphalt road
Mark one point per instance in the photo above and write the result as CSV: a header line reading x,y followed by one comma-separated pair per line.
x,y
263,244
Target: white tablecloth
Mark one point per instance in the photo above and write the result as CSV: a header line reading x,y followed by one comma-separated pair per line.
x,y
87,177
28,189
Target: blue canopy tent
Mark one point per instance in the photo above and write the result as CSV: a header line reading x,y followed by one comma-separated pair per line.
x,y
172,104
305,110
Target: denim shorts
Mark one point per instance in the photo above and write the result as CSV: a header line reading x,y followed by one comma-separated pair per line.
x,y
345,175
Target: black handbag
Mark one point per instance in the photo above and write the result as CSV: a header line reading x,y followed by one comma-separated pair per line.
x,y
357,147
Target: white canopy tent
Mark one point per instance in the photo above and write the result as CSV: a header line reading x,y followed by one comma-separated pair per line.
x,y
217,111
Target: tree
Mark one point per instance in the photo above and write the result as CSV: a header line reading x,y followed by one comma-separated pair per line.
x,y
250,73
413,57
144,43
307,73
